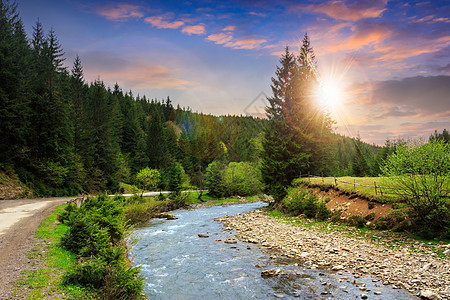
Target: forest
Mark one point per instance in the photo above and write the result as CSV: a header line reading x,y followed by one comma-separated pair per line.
x,y
61,135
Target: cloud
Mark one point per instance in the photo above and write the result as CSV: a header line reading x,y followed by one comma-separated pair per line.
x,y
131,74
120,12
373,34
258,14
194,29
220,38
159,22
348,10
229,28
228,40
413,96
246,43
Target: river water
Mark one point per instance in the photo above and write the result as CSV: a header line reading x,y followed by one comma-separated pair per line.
x,y
177,264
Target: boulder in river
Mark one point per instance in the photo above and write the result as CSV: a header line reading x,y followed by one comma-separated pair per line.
x,y
201,235
270,272
164,215
427,294
230,241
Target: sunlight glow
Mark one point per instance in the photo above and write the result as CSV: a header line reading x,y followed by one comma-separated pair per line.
x,y
329,94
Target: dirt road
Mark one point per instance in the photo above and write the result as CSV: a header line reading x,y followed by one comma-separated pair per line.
x,y
18,222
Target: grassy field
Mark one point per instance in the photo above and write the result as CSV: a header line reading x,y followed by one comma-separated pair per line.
x,y
351,185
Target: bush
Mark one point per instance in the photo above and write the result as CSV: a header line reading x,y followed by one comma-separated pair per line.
x,y
96,235
300,200
420,173
213,178
241,179
149,179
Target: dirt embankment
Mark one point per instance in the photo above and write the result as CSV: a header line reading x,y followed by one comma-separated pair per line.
x,y
354,206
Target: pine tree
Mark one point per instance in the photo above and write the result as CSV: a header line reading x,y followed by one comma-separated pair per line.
x,y
282,159
297,126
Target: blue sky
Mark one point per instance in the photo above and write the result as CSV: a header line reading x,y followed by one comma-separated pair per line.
x,y
389,58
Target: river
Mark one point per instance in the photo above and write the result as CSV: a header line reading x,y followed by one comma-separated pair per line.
x,y
178,264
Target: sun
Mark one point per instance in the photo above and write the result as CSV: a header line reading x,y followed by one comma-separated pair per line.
x,y
329,94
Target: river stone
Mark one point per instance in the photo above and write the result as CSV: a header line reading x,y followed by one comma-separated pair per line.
x,y
427,294
167,216
270,272
230,241
337,268
201,235
364,296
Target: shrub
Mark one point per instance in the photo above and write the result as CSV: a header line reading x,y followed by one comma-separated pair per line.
x,y
241,179
149,178
420,173
96,235
213,178
300,200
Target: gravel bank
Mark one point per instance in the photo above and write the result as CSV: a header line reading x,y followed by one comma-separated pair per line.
x,y
411,265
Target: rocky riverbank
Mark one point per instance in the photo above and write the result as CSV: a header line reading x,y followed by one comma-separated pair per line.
x,y
406,264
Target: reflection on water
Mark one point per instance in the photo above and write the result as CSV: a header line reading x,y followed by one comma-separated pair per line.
x,y
177,264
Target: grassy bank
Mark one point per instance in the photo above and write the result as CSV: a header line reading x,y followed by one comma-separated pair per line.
x,y
371,188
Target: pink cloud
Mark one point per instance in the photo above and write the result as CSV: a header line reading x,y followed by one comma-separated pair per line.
x,y
194,29
159,22
120,12
229,28
246,43
142,75
228,40
371,35
257,14
220,38
339,9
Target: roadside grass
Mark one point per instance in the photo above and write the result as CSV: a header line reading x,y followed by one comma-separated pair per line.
x,y
351,186
389,239
51,261
129,189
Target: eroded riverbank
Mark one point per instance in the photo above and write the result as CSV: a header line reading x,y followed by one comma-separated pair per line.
x,y
412,267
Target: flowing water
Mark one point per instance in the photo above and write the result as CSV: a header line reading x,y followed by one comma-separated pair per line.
x,y
178,264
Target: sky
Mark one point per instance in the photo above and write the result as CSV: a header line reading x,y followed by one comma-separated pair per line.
x,y
390,60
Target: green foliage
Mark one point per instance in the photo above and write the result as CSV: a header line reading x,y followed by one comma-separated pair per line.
x,y
241,179
175,182
213,178
420,172
96,235
300,200
149,178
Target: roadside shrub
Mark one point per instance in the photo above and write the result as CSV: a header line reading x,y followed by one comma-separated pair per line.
x,y
88,273
122,282
300,200
96,235
149,179
85,238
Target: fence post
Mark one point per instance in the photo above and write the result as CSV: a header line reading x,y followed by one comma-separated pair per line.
x,y
335,181
354,184
375,184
